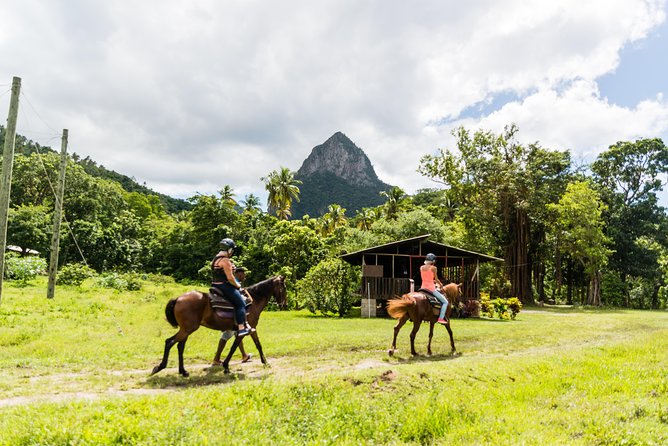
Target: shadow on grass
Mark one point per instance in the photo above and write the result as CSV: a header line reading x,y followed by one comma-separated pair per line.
x,y
169,378
427,358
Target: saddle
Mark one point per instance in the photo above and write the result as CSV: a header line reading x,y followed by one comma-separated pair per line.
x,y
219,302
432,299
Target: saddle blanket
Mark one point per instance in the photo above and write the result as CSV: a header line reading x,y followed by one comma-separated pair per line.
x,y
432,299
221,304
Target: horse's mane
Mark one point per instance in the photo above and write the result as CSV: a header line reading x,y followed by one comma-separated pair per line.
x,y
261,288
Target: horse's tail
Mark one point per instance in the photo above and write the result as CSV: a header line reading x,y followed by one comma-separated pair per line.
x,y
397,308
169,313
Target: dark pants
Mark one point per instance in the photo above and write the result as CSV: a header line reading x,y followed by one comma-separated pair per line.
x,y
233,294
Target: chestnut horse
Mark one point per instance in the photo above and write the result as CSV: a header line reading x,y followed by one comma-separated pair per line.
x,y
416,307
192,309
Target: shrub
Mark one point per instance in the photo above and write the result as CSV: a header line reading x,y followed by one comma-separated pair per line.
x,y
514,305
501,308
486,306
23,269
329,287
121,282
470,308
74,274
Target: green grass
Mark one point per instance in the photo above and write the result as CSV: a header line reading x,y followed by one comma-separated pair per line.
x,y
75,370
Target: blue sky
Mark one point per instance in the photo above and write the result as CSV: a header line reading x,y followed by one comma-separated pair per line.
x,y
190,96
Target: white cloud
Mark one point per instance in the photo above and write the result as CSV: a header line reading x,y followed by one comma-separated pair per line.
x,y
189,96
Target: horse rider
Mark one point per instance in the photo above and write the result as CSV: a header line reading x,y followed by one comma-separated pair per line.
x,y
429,274
240,275
223,279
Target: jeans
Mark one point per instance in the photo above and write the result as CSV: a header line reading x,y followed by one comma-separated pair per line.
x,y
233,294
444,303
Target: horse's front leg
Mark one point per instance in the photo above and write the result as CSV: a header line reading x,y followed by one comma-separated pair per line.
x,y
169,343
256,340
397,328
416,327
452,341
226,362
431,334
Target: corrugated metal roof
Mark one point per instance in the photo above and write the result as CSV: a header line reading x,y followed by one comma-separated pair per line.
x,y
425,246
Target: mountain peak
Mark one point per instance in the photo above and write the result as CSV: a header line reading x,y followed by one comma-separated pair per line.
x,y
337,171
341,157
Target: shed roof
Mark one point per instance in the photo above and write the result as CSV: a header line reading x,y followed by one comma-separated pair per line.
x,y
418,246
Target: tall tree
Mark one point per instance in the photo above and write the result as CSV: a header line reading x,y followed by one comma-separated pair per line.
x,y
629,174
283,188
502,187
578,228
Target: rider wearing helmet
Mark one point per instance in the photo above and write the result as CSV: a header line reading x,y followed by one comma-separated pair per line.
x,y
429,274
223,279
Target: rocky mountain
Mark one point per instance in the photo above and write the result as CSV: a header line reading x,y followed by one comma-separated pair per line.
x,y
337,171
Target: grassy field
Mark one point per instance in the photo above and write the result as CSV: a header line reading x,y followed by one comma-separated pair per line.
x,y
75,371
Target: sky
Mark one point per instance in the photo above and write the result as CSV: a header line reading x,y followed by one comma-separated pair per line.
x,y
189,96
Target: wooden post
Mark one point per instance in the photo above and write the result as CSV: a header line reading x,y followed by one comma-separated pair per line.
x,y
7,164
57,218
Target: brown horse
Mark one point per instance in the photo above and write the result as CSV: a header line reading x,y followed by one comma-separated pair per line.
x,y
190,310
416,307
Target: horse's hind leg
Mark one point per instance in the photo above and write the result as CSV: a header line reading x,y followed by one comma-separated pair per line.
x,y
181,346
416,327
169,343
397,328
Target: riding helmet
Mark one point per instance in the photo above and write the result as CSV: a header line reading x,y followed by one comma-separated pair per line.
x,y
227,243
431,257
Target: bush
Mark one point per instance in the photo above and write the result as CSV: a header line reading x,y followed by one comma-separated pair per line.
x,y
74,274
514,305
23,269
121,282
486,307
470,308
329,287
501,308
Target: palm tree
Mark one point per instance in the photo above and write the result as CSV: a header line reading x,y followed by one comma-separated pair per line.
x,y
251,204
365,218
227,195
334,218
393,203
282,188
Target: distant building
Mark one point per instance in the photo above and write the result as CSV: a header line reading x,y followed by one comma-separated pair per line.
x,y
19,250
389,270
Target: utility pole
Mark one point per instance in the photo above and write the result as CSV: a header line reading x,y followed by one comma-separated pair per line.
x,y
57,218
7,164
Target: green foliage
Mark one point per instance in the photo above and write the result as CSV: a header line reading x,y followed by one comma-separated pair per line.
x,y
74,274
515,306
283,188
121,281
29,227
23,269
499,307
329,287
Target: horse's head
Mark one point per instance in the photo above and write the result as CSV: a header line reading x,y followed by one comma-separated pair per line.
x,y
280,292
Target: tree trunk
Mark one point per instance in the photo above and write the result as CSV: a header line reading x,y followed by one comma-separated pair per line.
x,y
594,291
517,257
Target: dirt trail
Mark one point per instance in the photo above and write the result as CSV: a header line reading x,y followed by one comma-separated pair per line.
x,y
124,383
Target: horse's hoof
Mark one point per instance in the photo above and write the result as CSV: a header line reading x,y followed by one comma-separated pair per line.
x,y
185,374
226,371
390,352
156,369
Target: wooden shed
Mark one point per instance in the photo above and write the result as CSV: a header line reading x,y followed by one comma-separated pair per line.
x,y
391,270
